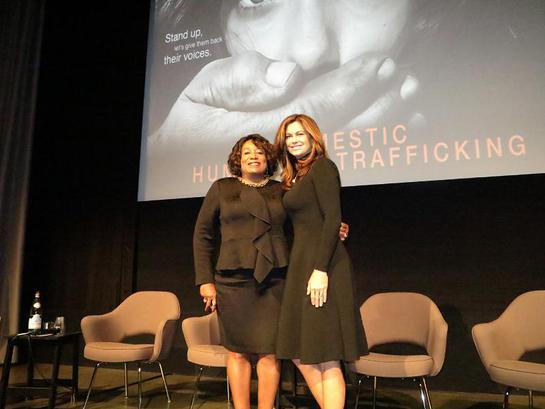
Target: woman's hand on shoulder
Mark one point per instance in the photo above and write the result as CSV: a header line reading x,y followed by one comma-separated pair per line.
x,y
317,288
208,294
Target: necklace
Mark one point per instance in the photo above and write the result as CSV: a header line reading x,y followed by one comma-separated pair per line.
x,y
253,184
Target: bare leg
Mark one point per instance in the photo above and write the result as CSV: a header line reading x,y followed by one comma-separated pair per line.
x,y
326,382
313,378
333,385
239,371
268,376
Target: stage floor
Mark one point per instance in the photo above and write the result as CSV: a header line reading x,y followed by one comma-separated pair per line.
x,y
108,393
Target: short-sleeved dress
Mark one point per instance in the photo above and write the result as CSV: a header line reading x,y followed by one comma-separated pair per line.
x,y
248,225
335,331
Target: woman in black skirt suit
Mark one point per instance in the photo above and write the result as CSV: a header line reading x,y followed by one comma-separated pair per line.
x,y
320,324
245,284
246,213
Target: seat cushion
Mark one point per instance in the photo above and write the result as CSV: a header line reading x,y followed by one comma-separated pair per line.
x,y
117,351
521,374
393,366
208,355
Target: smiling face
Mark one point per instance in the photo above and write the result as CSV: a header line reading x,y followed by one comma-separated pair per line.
x,y
297,140
253,161
317,35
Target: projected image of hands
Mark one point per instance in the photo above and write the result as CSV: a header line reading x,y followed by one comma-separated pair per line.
x,y
403,90
332,60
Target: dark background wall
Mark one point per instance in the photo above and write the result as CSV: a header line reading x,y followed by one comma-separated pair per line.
x,y
471,245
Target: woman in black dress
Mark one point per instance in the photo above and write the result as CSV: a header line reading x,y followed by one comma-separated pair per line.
x,y
319,323
245,283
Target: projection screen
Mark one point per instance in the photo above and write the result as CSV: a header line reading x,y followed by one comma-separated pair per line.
x,y
403,90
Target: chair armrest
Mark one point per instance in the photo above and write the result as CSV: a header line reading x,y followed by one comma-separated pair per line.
x,y
100,328
483,337
197,330
437,343
164,338
496,341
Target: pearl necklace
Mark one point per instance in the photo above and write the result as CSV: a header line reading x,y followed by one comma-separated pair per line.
x,y
253,184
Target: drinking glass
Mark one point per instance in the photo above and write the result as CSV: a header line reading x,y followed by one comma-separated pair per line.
x,y
59,324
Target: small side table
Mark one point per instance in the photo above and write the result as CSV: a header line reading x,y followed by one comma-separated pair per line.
x,y
57,341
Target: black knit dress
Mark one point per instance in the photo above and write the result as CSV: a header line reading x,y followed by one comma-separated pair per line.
x,y
335,331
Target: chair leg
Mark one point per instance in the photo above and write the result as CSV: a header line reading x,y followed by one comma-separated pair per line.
x,y
197,387
229,393
424,394
358,392
139,385
164,381
91,384
530,399
374,392
420,392
126,380
506,397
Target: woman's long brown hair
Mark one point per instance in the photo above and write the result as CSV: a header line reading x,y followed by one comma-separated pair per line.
x,y
291,167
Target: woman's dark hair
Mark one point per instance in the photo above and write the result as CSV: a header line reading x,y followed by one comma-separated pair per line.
x,y
234,157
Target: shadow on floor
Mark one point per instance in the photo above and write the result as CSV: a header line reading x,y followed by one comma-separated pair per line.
x,y
108,393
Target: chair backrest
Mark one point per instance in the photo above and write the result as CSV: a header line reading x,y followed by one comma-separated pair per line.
x,y
143,311
202,330
407,318
526,317
403,317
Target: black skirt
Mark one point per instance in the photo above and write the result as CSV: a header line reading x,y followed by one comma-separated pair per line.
x,y
248,311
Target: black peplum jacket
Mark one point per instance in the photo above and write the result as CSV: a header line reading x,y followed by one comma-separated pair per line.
x,y
250,223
